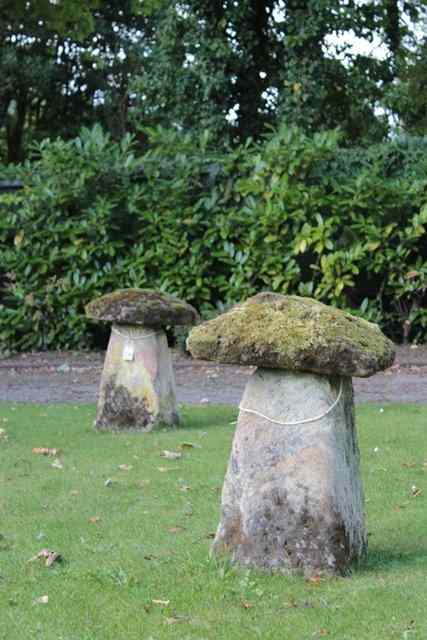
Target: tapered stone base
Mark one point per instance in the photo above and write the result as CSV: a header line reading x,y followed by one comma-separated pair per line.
x,y
292,500
137,389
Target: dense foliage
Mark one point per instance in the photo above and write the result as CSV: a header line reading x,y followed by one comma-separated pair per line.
x,y
294,214
62,239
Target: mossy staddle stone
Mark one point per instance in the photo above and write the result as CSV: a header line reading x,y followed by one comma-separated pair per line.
x,y
289,332
141,307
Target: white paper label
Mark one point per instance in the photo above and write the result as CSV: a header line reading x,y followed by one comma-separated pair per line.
x,y
128,352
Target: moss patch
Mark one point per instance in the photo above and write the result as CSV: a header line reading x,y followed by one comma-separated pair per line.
x,y
141,307
295,333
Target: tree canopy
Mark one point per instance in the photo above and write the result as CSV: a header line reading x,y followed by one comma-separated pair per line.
x,y
234,68
72,17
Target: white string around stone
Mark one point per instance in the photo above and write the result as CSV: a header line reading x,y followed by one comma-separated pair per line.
x,y
129,336
297,422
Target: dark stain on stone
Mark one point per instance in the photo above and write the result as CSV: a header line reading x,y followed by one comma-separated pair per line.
x,y
120,410
277,498
234,464
279,539
231,537
340,541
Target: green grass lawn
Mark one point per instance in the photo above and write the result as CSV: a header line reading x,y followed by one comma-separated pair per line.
x,y
136,553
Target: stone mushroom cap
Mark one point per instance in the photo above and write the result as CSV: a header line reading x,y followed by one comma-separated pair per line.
x,y
141,307
289,332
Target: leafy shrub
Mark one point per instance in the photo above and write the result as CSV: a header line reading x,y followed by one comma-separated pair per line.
x,y
294,214
62,238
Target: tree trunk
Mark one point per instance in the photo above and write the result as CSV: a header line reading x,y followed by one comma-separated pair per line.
x,y
15,124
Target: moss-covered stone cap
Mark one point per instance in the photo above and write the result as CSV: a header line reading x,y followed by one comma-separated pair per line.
x,y
141,307
288,332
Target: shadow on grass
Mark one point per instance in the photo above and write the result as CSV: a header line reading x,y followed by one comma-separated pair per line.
x,y
392,560
207,417
192,417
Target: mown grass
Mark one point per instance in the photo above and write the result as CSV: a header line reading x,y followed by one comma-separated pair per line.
x,y
146,537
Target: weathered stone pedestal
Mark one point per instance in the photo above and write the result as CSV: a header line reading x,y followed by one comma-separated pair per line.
x,y
292,499
137,389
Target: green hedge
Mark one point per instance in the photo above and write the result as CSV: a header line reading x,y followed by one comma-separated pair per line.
x,y
293,214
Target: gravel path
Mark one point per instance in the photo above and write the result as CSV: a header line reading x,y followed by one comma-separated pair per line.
x,y
73,377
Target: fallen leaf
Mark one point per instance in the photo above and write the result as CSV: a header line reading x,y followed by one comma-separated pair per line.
x,y
291,604
162,603
176,529
57,464
125,467
399,507
246,605
315,580
165,469
45,451
94,519
47,554
171,455
3,434
18,239
41,600
409,465
416,492
190,445
52,558
74,492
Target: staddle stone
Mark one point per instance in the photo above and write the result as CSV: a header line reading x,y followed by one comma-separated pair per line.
x,y
142,307
294,333
292,500
137,385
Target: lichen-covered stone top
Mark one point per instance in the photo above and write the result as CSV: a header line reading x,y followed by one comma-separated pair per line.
x,y
141,307
288,332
